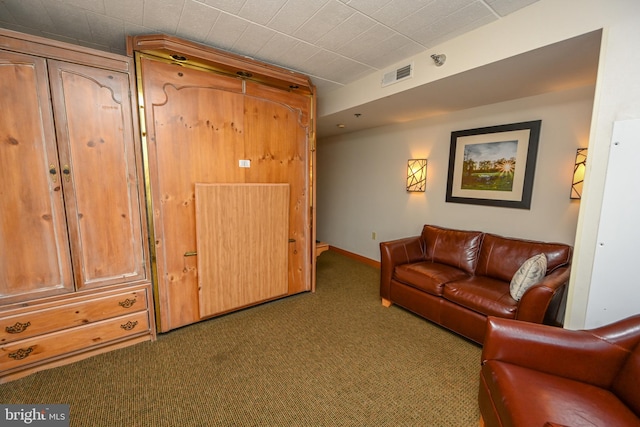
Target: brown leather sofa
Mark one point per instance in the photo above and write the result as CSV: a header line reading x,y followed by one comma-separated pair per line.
x,y
536,375
457,278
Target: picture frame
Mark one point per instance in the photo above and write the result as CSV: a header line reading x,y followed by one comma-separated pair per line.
x,y
494,165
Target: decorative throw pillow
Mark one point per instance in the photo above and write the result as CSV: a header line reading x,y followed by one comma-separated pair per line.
x,y
529,273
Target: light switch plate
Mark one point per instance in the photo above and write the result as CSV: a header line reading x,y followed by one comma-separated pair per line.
x,y
244,163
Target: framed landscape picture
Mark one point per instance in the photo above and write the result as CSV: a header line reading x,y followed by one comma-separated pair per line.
x,y
493,165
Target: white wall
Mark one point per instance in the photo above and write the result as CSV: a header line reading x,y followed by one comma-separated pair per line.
x,y
362,175
618,234
617,98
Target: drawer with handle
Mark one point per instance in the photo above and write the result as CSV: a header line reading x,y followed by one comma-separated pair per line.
x,y
63,342
69,315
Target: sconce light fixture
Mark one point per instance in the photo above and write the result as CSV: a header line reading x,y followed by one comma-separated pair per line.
x,y
578,173
439,59
416,175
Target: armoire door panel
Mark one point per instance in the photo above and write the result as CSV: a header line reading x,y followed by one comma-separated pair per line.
x,y
194,134
276,139
242,238
293,100
35,258
99,174
158,75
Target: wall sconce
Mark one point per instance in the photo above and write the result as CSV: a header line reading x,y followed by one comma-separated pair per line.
x,y
416,175
578,173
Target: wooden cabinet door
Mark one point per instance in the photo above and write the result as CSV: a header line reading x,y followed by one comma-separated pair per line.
x,y
99,174
194,134
276,131
34,260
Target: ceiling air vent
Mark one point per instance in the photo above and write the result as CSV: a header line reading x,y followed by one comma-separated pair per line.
x,y
402,73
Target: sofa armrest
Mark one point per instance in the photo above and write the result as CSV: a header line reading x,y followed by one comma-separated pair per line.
x,y
533,305
591,356
396,252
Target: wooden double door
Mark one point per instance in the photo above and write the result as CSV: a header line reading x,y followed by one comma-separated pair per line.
x,y
204,127
69,198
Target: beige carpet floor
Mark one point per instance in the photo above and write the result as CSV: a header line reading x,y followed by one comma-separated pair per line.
x,y
335,357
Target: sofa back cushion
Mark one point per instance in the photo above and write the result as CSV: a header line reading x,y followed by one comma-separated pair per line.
x,y
625,385
456,248
500,257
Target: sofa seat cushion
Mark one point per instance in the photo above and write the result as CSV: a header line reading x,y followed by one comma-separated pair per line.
x,y
524,397
483,295
428,276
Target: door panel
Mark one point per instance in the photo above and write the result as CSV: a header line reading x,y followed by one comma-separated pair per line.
x,y
99,174
195,134
276,140
34,244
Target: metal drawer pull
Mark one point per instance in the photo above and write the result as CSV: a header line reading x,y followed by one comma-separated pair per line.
x,y
21,353
17,328
128,303
129,325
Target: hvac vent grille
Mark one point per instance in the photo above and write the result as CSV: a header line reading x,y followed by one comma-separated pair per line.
x,y
402,73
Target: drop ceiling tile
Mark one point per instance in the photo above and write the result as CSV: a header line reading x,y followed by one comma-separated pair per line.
x,y
397,10
327,19
368,40
5,15
368,7
196,21
107,31
226,31
293,14
344,70
430,14
277,47
505,7
30,13
162,15
127,10
319,62
260,11
253,39
394,49
324,86
295,57
349,29
15,27
137,30
467,18
230,6
69,21
441,38
92,5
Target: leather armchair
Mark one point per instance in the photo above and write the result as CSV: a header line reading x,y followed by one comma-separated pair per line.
x,y
537,375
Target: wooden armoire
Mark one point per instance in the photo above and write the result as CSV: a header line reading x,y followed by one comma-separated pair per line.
x,y
74,271
229,151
